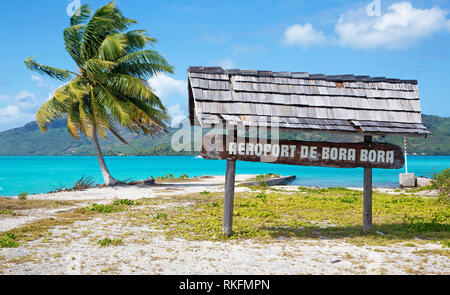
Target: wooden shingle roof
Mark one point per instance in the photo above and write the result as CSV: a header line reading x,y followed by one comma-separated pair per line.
x,y
304,102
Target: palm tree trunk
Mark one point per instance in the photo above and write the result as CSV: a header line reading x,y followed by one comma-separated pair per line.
x,y
109,180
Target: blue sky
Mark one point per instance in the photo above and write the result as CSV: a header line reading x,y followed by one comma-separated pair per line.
x,y
407,40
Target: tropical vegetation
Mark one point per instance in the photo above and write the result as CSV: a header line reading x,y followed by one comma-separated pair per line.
x,y
109,89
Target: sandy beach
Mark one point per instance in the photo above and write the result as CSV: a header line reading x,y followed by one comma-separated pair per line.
x,y
144,249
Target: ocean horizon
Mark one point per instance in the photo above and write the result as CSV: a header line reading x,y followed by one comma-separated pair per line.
x,y
37,175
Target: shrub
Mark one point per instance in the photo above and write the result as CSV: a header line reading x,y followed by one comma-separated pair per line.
x,y
23,196
101,208
83,184
125,202
348,199
262,197
8,240
108,242
441,182
161,216
117,206
420,224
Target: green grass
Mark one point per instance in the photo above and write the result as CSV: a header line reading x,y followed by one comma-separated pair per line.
x,y
162,216
8,240
308,213
313,213
117,206
125,202
109,242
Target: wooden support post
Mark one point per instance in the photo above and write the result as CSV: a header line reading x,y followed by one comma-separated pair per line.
x,y
367,211
229,198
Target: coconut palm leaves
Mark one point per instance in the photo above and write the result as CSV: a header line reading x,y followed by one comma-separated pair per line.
x,y
110,86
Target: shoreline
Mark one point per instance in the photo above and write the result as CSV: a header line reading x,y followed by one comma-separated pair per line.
x,y
216,182
45,174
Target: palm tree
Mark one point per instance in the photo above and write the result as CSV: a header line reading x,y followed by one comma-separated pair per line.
x,y
110,86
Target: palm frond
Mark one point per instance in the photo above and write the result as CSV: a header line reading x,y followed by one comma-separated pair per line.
x,y
143,64
118,109
98,70
128,86
72,39
146,117
138,40
78,88
113,47
86,119
74,120
50,111
106,21
51,72
81,15
73,128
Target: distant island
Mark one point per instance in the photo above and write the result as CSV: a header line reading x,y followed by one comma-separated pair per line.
x,y
29,141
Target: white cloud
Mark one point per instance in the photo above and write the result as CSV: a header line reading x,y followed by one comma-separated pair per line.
x,y
177,114
18,109
49,89
215,39
304,36
23,100
12,116
8,113
247,49
226,63
3,81
166,87
171,92
39,81
401,26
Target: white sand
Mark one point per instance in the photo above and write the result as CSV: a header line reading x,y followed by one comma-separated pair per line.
x,y
73,249
208,183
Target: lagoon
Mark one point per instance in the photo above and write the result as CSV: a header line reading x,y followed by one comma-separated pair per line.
x,y
44,174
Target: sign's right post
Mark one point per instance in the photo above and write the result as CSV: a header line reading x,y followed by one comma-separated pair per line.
x,y
367,211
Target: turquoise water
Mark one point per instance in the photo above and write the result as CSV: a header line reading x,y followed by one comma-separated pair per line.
x,y
44,174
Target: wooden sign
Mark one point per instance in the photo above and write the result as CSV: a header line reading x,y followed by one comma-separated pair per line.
x,y
323,154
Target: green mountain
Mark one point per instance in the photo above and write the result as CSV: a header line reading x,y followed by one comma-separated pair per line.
x,y
29,141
